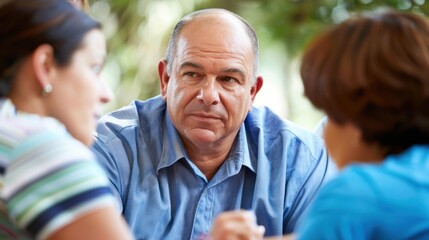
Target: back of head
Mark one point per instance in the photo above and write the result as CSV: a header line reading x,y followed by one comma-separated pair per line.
x,y
373,71
25,25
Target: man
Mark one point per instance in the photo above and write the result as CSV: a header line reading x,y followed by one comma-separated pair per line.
x,y
178,160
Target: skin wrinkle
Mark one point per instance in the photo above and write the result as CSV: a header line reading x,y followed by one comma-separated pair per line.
x,y
237,70
220,56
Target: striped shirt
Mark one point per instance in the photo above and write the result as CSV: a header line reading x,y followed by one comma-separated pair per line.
x,y
47,178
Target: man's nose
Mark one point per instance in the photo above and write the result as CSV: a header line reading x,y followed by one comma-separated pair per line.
x,y
209,92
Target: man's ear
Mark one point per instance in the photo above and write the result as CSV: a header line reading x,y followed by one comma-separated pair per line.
x,y
43,63
256,87
259,81
163,77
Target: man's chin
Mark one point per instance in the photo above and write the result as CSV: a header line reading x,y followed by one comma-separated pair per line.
x,y
201,135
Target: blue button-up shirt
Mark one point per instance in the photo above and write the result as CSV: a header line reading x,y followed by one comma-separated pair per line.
x,y
274,168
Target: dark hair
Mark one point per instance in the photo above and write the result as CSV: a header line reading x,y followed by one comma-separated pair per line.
x,y
25,25
171,49
373,71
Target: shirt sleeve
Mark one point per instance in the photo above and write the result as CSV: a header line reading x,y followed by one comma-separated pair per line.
x,y
116,172
51,181
321,172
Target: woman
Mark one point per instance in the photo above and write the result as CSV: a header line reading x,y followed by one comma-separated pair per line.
x,y
50,97
370,74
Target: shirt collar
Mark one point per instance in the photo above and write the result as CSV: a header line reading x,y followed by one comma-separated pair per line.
x,y
173,149
239,155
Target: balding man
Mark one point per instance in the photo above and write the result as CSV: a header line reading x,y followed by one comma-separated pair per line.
x,y
178,160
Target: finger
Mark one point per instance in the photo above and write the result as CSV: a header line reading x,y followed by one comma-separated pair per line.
x,y
236,225
239,215
244,230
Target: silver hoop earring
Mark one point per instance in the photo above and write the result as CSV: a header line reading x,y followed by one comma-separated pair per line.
x,y
47,89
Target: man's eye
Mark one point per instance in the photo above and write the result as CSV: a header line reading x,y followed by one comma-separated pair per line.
x,y
228,79
191,74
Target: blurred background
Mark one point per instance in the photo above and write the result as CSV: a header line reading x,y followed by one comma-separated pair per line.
x,y
138,33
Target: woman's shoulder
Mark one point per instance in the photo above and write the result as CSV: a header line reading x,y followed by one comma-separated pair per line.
x,y
21,127
38,136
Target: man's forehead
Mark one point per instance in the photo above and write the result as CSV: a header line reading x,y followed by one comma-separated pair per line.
x,y
215,21
216,31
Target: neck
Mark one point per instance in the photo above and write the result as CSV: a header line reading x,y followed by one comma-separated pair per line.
x,y
368,153
208,159
25,93
27,103
373,153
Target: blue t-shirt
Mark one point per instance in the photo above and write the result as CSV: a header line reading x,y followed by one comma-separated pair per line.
x,y
389,200
273,168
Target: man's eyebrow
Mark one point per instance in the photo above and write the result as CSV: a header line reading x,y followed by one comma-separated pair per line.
x,y
234,70
190,64
224,70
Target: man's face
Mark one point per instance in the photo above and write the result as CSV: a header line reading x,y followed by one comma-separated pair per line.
x,y
210,92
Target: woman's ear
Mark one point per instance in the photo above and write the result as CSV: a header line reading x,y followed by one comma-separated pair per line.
x,y
43,63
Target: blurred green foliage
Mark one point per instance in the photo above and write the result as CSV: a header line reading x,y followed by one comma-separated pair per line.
x,y
138,31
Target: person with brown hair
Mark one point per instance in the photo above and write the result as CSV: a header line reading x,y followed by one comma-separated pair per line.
x,y
51,94
370,74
